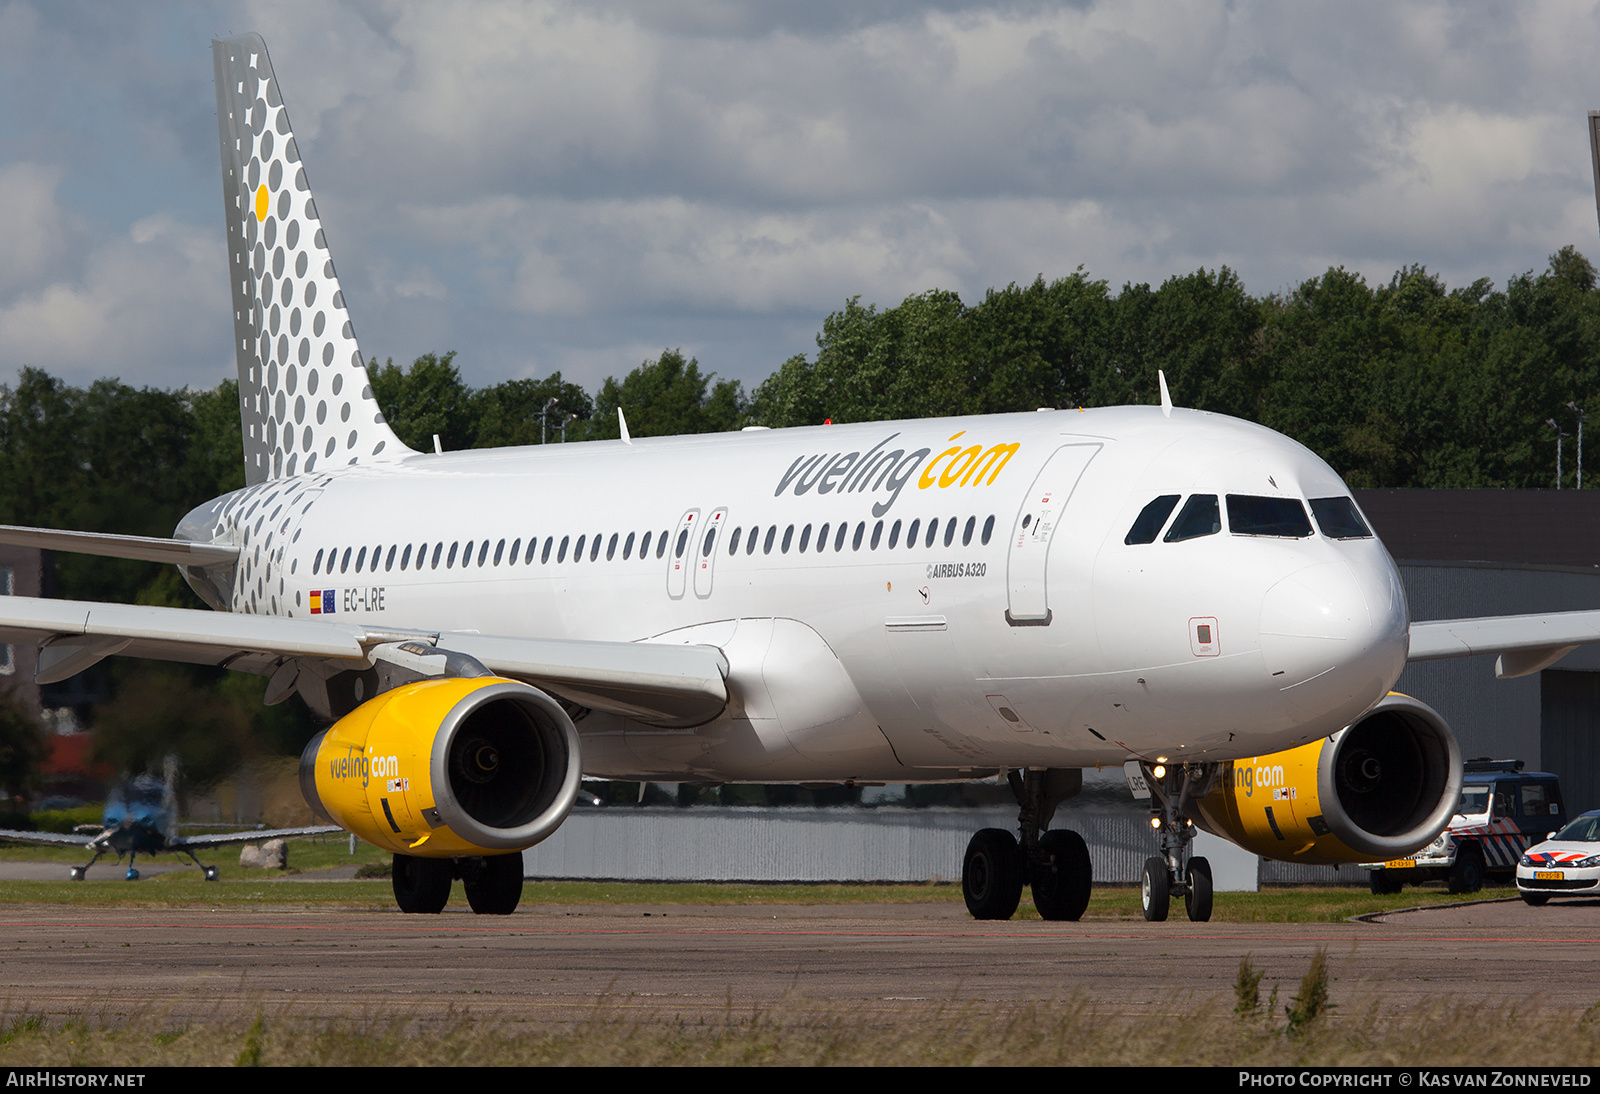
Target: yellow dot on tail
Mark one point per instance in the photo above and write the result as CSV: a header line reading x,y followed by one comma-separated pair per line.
x,y
261,203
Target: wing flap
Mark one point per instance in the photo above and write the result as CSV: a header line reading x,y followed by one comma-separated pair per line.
x,y
87,631
658,683
662,684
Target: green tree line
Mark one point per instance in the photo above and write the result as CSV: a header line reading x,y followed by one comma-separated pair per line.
x,y
1403,384
1407,383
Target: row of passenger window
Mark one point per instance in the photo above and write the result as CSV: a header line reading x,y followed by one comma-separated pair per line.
x,y
1248,515
841,533
426,556
449,556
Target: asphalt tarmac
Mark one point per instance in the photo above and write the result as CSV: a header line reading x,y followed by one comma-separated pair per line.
x,y
571,964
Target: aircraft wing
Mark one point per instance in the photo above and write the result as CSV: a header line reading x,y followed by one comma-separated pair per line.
x,y
65,839
178,552
74,634
258,835
668,684
1526,643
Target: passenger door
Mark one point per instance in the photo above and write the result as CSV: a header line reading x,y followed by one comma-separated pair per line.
x,y
706,557
681,554
1043,508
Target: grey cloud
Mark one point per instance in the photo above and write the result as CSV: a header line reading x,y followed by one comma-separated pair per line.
x,y
557,185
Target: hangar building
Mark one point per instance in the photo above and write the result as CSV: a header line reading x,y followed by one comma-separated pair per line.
x,y
1465,553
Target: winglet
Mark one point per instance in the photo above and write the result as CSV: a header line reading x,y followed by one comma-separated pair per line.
x,y
1166,399
623,424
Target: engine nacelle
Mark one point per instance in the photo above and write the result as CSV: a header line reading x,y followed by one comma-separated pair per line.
x,y
1381,788
439,768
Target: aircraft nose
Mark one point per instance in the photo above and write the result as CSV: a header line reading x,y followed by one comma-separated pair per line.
x,y
1333,637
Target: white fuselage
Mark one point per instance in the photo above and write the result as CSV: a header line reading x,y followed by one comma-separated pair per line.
x,y
1052,643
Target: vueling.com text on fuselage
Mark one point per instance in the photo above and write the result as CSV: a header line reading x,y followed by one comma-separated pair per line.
x,y
884,470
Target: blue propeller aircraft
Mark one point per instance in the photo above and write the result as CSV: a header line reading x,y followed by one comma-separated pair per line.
x,y
141,817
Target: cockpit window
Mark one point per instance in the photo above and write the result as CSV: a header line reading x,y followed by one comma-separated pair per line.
x,y
1199,516
1252,516
1151,518
1339,519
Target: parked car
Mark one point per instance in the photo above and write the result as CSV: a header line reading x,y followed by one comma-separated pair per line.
x,y
1566,864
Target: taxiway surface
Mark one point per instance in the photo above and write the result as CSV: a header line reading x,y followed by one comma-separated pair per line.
x,y
567,964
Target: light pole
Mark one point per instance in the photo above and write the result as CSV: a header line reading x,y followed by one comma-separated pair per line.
x,y
1561,434
543,432
1578,410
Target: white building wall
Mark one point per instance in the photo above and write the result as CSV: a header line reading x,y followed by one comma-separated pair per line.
x,y
752,843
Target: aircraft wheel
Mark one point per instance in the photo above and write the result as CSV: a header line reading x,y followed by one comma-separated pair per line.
x,y
1197,901
76,873
1156,891
1061,888
493,884
1536,900
131,875
210,872
421,885
991,875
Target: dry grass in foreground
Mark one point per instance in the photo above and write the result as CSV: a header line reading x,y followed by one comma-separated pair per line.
x,y
939,1035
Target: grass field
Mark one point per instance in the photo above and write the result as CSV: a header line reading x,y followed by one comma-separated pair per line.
x,y
238,887
1050,1032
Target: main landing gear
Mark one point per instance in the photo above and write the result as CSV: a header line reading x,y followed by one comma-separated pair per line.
x,y
209,872
493,883
1054,862
77,872
1176,872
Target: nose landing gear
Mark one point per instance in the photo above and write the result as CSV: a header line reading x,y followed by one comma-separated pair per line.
x,y
1054,862
1176,872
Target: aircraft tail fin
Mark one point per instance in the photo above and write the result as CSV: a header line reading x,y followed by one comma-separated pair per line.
x,y
305,398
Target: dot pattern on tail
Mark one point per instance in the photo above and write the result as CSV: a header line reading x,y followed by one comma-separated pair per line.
x,y
305,398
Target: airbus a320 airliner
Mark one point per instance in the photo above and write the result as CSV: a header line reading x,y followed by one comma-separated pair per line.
x,y
1193,596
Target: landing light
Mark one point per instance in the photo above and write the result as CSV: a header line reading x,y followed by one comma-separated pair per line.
x,y
1158,771
1155,822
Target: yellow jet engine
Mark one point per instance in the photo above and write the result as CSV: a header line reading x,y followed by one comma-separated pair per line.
x,y
1381,788
447,768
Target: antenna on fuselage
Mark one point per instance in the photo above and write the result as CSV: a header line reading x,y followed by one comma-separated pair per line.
x,y
622,423
1166,399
